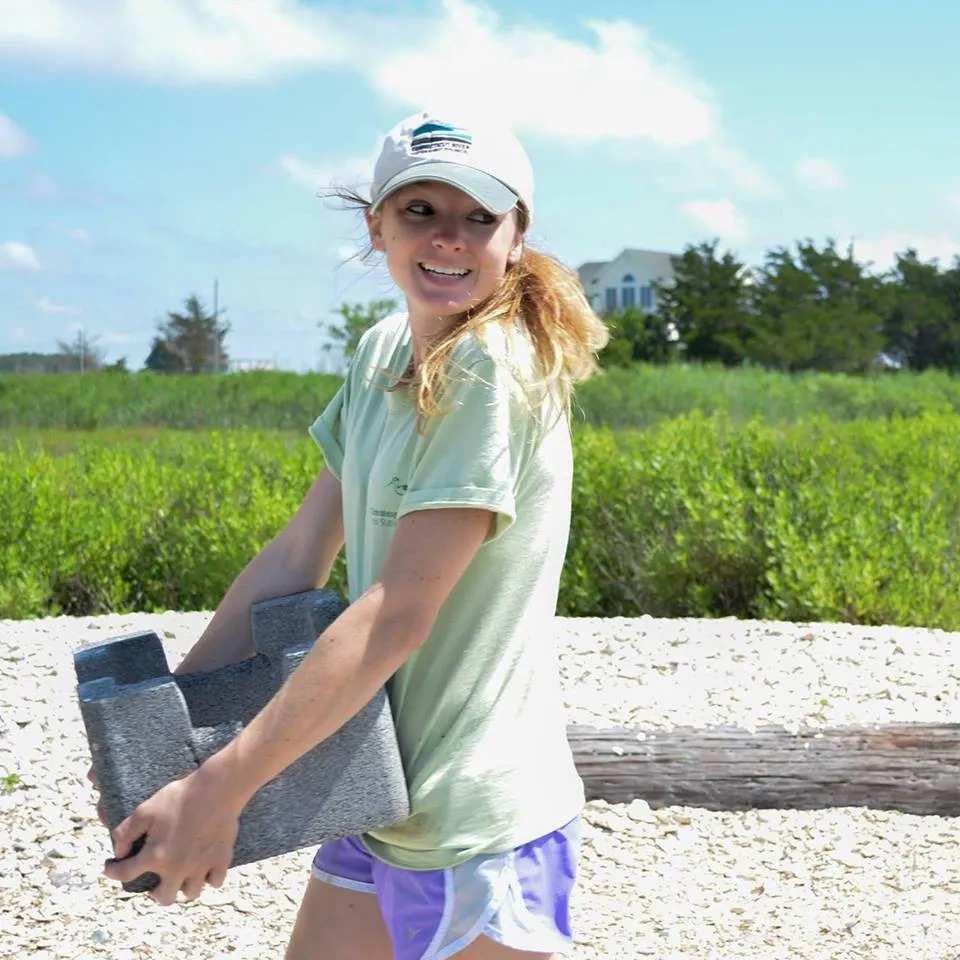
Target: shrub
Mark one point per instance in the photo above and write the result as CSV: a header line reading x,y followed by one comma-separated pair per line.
x,y
699,516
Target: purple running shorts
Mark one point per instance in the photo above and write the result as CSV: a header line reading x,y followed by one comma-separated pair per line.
x,y
520,898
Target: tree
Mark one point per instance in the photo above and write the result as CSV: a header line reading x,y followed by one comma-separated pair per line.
x,y
636,336
81,353
815,309
922,324
706,305
162,358
35,363
191,341
357,319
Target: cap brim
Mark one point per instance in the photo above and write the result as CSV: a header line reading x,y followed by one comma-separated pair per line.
x,y
492,194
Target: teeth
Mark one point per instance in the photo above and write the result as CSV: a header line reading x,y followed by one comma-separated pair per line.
x,y
444,271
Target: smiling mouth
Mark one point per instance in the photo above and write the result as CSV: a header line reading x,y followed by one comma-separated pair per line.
x,y
436,271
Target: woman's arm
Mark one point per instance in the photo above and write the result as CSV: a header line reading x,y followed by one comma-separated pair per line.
x,y
298,558
192,824
358,652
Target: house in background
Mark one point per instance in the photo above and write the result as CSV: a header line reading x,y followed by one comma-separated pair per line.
x,y
626,281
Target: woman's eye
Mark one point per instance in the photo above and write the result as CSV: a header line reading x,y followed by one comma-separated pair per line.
x,y
419,208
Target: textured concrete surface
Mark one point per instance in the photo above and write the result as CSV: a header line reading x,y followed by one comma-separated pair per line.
x,y
146,727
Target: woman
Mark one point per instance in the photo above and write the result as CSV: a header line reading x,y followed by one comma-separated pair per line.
x,y
447,474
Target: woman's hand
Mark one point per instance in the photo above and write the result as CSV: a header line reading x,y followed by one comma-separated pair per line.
x,y
191,826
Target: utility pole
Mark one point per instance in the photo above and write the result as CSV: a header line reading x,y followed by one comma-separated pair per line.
x,y
82,344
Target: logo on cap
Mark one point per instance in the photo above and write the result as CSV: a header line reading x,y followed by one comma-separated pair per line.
x,y
433,136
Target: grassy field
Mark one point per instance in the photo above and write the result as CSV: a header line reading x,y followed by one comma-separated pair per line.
x,y
698,492
814,520
636,398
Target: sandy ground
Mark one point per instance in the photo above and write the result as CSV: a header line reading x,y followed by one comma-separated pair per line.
x,y
668,883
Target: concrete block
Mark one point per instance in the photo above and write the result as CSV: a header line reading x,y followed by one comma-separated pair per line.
x,y
146,727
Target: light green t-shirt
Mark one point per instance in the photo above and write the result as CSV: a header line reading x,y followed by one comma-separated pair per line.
x,y
478,708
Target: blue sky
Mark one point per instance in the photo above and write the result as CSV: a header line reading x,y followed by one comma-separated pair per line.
x,y
151,147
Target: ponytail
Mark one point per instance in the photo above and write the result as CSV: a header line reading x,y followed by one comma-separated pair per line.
x,y
539,295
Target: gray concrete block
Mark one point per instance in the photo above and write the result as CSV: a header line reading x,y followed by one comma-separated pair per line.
x,y
146,728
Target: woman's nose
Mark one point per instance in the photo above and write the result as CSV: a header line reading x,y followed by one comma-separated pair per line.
x,y
447,235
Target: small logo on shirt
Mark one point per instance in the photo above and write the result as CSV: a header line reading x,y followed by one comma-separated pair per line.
x,y
396,486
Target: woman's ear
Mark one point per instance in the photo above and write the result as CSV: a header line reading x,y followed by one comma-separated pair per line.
x,y
519,225
375,229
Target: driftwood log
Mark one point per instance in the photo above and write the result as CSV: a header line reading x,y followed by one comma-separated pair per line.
x,y
913,768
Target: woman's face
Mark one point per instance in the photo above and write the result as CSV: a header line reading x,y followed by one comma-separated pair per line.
x,y
444,251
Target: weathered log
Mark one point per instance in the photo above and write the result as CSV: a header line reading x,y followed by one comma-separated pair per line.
x,y
913,768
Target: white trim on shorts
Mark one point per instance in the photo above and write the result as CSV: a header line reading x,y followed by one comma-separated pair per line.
x,y
358,886
538,936
433,948
505,918
496,919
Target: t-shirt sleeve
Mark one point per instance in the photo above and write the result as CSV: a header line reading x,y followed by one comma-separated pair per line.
x,y
472,455
329,429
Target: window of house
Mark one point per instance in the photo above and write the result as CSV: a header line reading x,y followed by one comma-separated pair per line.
x,y
646,298
611,301
628,295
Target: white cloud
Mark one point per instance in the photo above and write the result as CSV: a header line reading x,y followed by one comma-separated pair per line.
x,y
349,171
347,251
547,84
171,41
76,233
540,81
719,217
738,170
18,256
13,141
349,255
819,174
618,84
881,250
53,309
40,186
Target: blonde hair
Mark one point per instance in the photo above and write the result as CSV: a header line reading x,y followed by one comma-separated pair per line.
x,y
537,292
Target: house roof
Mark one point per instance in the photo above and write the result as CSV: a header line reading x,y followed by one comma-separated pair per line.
x,y
588,271
663,259
656,253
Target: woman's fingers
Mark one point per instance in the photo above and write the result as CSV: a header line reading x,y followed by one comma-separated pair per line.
x,y
192,887
165,893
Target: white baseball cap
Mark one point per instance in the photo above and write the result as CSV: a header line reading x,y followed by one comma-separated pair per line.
x,y
484,161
